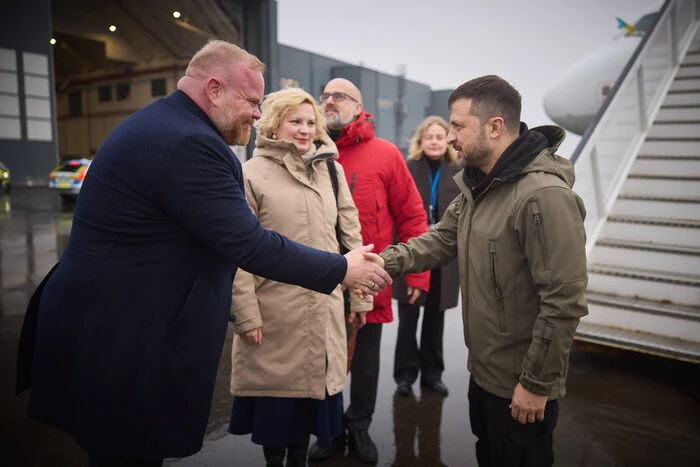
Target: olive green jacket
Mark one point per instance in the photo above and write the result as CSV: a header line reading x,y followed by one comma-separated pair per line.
x,y
522,267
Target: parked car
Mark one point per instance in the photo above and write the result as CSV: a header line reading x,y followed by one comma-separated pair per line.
x,y
5,184
67,178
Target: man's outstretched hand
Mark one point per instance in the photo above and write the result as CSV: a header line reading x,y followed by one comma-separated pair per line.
x,y
364,276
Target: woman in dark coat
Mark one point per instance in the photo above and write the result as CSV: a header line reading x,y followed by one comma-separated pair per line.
x,y
432,164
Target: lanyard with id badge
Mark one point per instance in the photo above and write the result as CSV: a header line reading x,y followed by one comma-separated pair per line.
x,y
432,215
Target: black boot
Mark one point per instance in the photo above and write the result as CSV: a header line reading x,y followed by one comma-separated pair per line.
x,y
274,455
296,452
362,445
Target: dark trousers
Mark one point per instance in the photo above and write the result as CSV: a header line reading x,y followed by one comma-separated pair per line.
x,y
102,460
408,357
365,377
504,442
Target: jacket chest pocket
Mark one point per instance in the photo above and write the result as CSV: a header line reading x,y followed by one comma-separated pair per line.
x,y
498,292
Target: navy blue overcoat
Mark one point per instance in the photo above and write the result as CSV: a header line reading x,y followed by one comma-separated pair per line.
x,y
122,340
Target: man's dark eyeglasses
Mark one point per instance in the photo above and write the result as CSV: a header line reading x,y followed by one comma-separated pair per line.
x,y
337,96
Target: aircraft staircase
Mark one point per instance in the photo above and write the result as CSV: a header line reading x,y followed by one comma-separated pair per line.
x,y
640,168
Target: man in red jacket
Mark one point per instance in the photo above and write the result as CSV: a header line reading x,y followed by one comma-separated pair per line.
x,y
386,197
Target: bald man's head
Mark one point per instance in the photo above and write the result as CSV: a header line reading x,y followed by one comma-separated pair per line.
x,y
342,103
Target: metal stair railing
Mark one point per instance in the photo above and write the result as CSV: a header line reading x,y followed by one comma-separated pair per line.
x,y
609,146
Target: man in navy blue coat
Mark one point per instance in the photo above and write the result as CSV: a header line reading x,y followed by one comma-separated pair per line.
x,y
122,340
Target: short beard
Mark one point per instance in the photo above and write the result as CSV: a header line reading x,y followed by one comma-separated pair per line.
x,y
477,154
336,122
234,132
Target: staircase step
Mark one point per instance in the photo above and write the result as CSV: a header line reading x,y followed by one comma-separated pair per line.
x,y
678,148
647,343
673,130
686,113
690,313
668,157
692,57
667,167
685,85
644,283
682,99
645,246
673,208
653,185
644,255
688,69
666,319
653,230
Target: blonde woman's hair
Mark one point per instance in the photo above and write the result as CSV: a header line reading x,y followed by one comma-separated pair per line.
x,y
277,105
415,150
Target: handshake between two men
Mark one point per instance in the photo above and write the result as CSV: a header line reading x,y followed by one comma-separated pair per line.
x,y
365,274
365,277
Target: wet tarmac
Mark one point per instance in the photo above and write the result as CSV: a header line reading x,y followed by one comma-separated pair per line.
x,y
622,409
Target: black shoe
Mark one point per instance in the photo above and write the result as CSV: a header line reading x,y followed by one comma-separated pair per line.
x,y
274,455
337,447
404,389
362,445
438,387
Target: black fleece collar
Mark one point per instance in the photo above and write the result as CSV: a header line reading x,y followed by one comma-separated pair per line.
x,y
334,134
514,159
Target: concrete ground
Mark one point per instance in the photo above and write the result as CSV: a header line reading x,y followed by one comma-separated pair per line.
x,y
622,408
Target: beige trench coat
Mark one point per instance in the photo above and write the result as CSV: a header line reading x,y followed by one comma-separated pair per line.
x,y
301,328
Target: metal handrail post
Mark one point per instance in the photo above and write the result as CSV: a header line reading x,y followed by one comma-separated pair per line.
x,y
643,116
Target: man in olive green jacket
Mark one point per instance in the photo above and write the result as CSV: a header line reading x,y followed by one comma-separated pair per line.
x,y
517,233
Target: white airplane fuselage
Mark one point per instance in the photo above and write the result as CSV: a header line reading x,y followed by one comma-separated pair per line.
x,y
573,101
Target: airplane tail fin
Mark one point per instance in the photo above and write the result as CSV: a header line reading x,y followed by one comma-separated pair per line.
x,y
623,24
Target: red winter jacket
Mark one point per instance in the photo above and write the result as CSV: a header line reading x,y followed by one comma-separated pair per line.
x,y
385,195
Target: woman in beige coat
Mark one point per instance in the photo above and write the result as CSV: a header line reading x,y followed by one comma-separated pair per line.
x,y
290,353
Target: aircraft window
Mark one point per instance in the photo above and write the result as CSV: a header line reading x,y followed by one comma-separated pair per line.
x,y
605,90
645,24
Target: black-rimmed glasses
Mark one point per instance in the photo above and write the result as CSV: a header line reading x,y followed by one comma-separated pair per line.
x,y
337,96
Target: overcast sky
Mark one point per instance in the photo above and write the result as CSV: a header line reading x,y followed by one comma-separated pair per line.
x,y
443,43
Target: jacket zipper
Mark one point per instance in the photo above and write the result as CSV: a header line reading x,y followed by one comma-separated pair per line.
x,y
352,182
499,296
466,273
537,218
543,351
541,357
